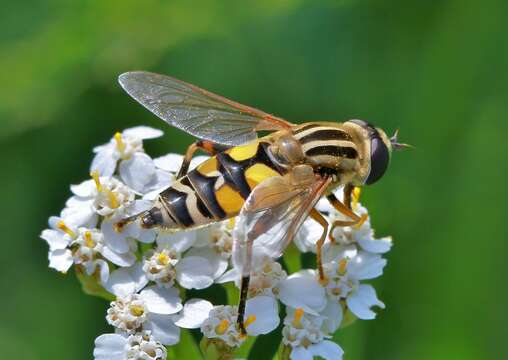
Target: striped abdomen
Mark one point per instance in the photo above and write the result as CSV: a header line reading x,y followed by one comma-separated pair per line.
x,y
217,188
325,144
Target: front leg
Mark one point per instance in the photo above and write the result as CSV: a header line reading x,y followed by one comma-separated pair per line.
x,y
343,209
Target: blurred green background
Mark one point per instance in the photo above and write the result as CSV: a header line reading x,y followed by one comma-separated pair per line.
x,y
435,69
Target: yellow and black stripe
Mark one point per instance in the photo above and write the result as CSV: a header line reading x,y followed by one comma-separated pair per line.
x,y
217,188
325,144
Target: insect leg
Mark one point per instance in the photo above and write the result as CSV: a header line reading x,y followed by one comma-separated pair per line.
x,y
205,145
241,305
316,215
343,209
348,193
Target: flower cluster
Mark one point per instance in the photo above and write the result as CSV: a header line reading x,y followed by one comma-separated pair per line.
x,y
145,273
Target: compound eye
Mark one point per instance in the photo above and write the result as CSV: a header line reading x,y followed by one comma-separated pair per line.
x,y
379,159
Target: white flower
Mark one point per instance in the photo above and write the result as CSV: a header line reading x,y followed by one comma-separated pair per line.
x,y
265,278
141,345
148,310
217,236
303,333
87,247
343,277
261,317
81,246
197,269
120,148
105,196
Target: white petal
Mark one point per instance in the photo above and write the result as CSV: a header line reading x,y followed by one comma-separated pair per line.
x,y
335,252
142,132
266,312
109,347
169,162
137,172
194,272
218,263
103,270
179,241
161,300
125,281
230,275
60,260
366,266
333,315
373,245
123,260
308,235
104,161
159,182
300,353
163,329
55,239
116,241
79,215
312,300
194,313
327,349
360,302
84,189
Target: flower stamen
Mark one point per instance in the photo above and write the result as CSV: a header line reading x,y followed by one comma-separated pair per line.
x,y
113,200
250,320
297,322
95,176
119,142
356,196
137,310
222,327
61,225
341,270
88,239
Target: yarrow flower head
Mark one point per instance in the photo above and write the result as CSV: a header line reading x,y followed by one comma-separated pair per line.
x,y
150,275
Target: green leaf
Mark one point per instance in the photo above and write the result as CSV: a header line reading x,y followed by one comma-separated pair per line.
x,y
187,348
91,286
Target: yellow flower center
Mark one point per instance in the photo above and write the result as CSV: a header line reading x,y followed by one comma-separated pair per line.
x,y
137,310
163,258
61,225
222,327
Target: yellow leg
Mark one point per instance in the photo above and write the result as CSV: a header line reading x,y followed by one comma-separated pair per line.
x,y
205,145
316,215
343,209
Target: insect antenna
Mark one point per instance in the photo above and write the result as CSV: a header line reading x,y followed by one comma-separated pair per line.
x,y
396,145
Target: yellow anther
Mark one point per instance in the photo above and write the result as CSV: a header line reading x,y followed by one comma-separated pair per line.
x,y
356,196
95,176
137,310
222,327
297,321
163,258
250,320
119,142
231,223
88,239
342,267
61,225
113,200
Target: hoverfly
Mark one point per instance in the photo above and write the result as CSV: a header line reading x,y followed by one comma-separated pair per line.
x,y
271,183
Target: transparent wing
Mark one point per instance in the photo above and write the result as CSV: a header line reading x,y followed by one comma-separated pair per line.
x,y
196,111
271,217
